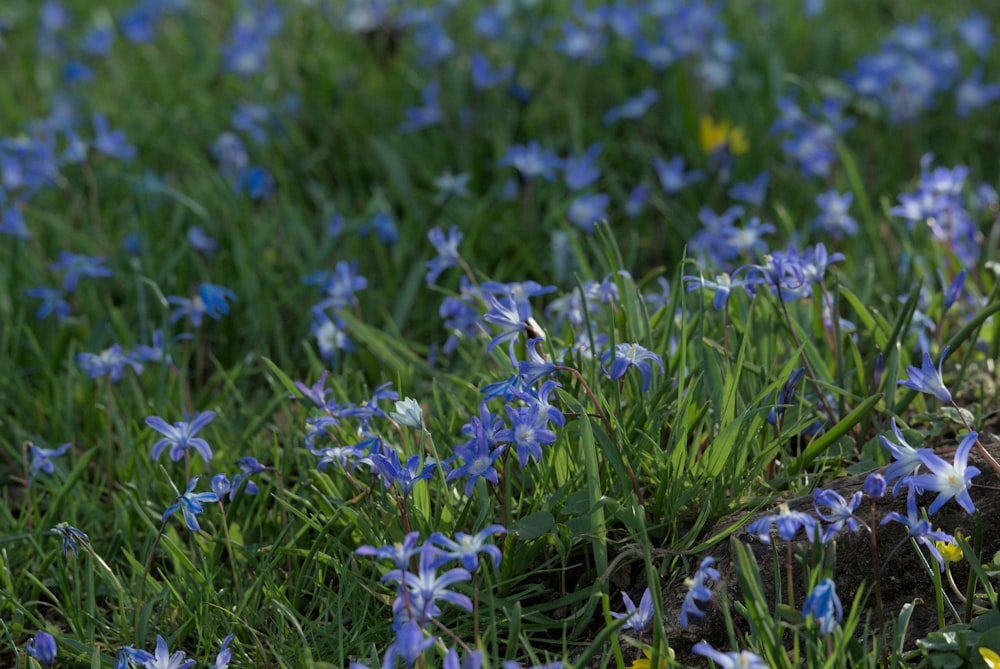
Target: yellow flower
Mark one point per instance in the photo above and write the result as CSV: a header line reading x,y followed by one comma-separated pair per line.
x,y
661,661
991,658
715,136
950,552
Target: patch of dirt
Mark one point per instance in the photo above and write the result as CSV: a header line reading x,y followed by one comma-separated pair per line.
x,y
904,578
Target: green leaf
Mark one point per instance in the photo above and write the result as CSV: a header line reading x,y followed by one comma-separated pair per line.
x,y
817,447
534,525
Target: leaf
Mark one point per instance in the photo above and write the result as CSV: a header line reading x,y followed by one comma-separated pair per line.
x,y
817,447
534,525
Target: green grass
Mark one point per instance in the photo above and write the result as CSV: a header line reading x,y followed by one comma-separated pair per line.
x,y
633,488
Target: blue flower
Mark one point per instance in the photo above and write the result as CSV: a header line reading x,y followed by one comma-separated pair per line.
x,y
834,218
12,222
907,458
447,249
451,185
633,108
128,657
824,606
466,547
71,538
77,266
315,393
190,505
111,143
840,514
110,362
479,464
201,242
180,436
162,659
428,114
225,655
919,528
43,648
513,315
408,413
788,523
927,379
483,76
587,211
394,473
752,193
631,355
409,645
638,617
874,485
528,431
247,47
535,367
425,587
742,660
583,171
947,479
531,161
672,176
399,552
40,458
698,590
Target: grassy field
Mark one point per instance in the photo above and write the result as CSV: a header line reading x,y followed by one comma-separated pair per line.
x,y
360,333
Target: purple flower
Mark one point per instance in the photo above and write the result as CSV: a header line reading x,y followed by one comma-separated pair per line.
x,y
638,617
927,379
180,436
